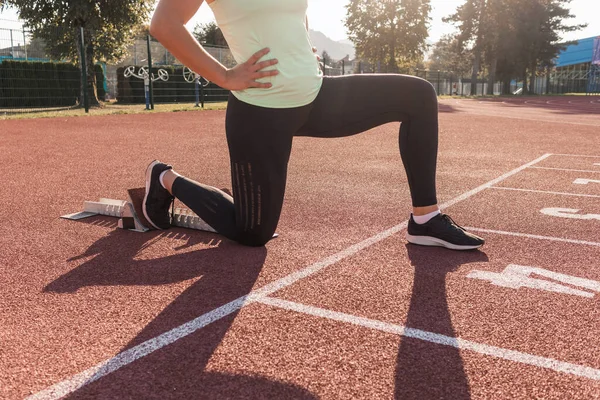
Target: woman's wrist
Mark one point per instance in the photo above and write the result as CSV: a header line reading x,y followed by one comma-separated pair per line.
x,y
223,78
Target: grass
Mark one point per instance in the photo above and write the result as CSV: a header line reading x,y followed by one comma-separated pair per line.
x,y
113,109
573,94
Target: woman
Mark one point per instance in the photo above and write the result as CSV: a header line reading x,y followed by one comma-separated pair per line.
x,y
278,92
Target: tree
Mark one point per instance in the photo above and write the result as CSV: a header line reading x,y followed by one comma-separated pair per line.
x,y
449,57
388,33
512,38
325,58
545,22
471,19
209,34
108,28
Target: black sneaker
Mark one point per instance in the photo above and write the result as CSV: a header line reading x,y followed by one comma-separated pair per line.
x,y
442,231
157,199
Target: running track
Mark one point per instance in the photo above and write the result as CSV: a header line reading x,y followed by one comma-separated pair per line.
x,y
339,306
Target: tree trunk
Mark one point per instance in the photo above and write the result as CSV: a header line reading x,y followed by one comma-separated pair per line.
x,y
532,80
89,67
79,56
91,75
393,67
475,73
525,84
392,64
492,76
506,86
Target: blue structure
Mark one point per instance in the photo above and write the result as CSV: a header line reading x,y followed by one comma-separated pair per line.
x,y
574,70
594,79
579,53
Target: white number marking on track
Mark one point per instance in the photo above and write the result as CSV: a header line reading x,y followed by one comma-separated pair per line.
x,y
570,213
517,276
583,181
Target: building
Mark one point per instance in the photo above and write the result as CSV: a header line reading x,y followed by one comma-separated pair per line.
x,y
577,68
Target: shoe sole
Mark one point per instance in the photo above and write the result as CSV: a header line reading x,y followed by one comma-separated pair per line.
x,y
432,241
148,179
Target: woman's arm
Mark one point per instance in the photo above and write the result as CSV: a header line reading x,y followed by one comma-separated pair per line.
x,y
168,26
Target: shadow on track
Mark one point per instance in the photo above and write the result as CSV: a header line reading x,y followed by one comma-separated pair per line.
x,y
446,108
180,370
426,370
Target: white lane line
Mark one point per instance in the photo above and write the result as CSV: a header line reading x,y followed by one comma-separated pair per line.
x,y
126,357
493,351
493,182
567,169
573,155
545,191
527,235
493,115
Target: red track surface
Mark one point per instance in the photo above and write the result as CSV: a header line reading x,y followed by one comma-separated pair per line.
x,y
75,294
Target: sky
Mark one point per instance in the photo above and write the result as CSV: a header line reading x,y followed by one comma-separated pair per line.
x,y
327,16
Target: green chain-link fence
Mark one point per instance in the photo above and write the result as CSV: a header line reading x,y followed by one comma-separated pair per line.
x,y
31,79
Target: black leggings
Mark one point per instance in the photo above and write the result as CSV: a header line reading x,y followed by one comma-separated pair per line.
x,y
260,142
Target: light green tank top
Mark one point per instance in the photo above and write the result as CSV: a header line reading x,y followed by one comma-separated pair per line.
x,y
251,25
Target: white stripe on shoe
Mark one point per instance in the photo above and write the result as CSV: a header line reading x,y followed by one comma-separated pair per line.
x,y
433,241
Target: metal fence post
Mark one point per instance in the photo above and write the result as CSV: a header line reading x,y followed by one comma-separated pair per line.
x,y
201,93
84,83
151,89
25,43
197,90
12,49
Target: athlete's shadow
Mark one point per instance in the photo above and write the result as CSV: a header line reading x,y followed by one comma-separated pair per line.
x,y
427,370
446,108
118,260
218,275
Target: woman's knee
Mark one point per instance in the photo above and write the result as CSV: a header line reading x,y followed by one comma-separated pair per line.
x,y
425,90
413,94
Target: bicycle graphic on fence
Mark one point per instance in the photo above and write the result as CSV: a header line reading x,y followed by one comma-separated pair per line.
x,y
190,76
142,73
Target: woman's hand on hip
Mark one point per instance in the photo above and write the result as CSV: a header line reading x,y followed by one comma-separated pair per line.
x,y
244,76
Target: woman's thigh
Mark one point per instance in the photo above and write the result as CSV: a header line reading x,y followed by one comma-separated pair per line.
x,y
350,104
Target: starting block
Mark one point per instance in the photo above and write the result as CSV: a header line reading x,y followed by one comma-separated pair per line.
x,y
131,216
